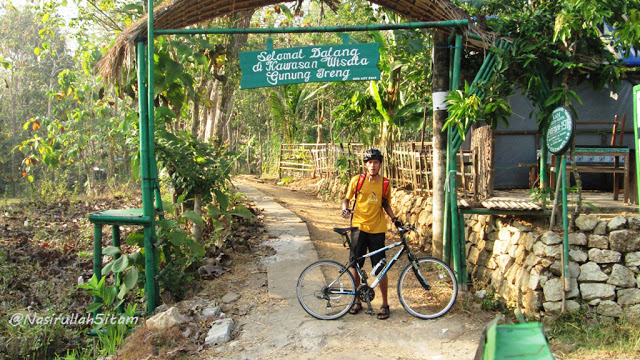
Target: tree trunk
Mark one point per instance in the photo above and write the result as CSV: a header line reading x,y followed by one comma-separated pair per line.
x,y
196,229
482,148
440,83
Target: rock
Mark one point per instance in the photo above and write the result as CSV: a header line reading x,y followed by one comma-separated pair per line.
x,y
609,308
505,261
166,319
551,238
528,239
592,291
211,312
532,300
598,241
504,234
555,307
577,239
473,255
629,296
632,259
594,302
230,297
587,222
624,240
552,251
553,290
80,280
601,228
520,226
161,308
632,312
577,255
604,256
220,332
209,271
617,223
592,272
531,261
622,276
574,269
534,280
634,222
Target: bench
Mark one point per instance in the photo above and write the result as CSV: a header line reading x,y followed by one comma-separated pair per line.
x,y
601,159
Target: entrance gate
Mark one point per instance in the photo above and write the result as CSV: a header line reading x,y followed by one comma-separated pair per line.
x,y
151,200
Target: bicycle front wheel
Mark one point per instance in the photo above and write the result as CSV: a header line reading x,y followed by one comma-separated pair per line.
x,y
441,284
326,290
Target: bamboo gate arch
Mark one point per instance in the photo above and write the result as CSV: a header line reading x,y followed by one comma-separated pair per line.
x,y
173,18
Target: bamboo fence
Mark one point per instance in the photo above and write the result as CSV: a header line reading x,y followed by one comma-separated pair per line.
x,y
408,166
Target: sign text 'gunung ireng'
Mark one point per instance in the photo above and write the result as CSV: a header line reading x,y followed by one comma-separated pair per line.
x,y
273,67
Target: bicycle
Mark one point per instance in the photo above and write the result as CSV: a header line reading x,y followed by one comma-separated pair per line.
x,y
427,288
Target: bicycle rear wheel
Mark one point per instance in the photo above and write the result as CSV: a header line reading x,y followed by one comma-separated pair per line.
x,y
423,303
325,290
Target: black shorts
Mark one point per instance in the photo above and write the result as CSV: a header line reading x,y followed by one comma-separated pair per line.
x,y
361,242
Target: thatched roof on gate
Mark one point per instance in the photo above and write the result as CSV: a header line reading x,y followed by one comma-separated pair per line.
x,y
178,14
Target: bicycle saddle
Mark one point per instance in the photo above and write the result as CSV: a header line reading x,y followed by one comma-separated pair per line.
x,y
343,231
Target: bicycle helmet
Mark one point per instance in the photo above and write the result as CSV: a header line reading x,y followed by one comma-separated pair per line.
x,y
372,154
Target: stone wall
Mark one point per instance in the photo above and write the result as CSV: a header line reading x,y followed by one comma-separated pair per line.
x,y
521,260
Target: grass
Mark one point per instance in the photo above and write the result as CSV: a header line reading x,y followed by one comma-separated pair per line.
x,y
582,336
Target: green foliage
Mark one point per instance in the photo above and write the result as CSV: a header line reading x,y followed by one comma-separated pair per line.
x,y
193,166
557,45
587,333
468,107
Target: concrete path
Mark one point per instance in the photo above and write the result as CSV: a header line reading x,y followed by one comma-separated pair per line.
x,y
281,329
289,237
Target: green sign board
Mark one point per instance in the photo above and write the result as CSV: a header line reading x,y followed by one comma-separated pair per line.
x,y
560,132
349,62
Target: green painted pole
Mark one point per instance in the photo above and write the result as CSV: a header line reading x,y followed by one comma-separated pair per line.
x,y
636,120
115,236
446,227
149,231
97,258
565,227
463,250
456,245
314,29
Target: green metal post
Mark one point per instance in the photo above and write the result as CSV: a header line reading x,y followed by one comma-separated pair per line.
x,y
636,120
565,226
149,254
446,227
463,250
97,257
452,173
115,236
147,189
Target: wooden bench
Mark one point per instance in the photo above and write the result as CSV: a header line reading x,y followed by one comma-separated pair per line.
x,y
601,159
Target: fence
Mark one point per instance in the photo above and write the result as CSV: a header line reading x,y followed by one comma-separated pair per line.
x,y
407,166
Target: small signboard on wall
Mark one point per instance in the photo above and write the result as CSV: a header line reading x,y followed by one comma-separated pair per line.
x,y
327,63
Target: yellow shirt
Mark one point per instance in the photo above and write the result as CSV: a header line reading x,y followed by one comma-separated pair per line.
x,y
369,214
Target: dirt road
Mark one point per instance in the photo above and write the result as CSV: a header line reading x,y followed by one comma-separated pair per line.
x,y
280,329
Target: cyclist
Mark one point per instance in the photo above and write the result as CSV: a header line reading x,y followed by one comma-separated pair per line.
x,y
372,194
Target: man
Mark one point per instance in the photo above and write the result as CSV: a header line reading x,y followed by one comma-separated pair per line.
x,y
371,197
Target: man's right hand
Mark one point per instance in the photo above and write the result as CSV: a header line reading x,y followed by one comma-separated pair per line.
x,y
346,213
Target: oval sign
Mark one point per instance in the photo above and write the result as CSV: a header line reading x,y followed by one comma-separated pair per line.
x,y
560,132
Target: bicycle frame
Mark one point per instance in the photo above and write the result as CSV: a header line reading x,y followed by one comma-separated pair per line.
x,y
383,272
